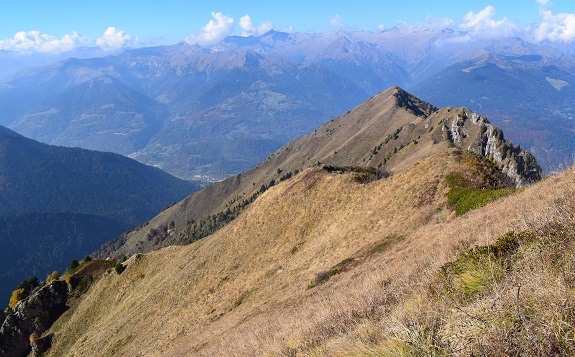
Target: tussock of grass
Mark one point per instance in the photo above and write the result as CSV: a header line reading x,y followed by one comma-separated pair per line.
x,y
479,268
243,297
386,244
324,276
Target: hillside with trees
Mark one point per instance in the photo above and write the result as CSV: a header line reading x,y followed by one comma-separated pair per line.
x,y
59,203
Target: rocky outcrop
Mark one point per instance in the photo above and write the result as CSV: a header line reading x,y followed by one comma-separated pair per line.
x,y
413,104
32,317
471,131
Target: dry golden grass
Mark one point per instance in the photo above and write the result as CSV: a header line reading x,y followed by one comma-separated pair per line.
x,y
346,140
244,290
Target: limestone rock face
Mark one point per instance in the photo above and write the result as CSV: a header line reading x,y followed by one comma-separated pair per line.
x,y
32,315
471,131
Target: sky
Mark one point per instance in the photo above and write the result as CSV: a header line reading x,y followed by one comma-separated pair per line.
x,y
61,25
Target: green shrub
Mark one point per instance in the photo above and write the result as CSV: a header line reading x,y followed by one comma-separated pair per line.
x,y
29,284
119,268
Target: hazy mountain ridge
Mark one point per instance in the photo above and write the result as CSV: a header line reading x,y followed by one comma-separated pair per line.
x,y
200,104
282,86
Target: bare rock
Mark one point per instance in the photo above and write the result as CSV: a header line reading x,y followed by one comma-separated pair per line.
x,y
33,315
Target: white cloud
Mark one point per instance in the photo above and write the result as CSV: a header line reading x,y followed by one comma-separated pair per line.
x,y
218,28
485,24
484,16
336,23
34,41
114,38
249,28
554,27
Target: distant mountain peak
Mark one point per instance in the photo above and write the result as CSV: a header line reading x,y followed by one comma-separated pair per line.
x,y
275,36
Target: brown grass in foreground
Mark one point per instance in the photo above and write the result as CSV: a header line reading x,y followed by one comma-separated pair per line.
x,y
246,290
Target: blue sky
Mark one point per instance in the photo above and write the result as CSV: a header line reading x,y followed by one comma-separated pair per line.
x,y
60,25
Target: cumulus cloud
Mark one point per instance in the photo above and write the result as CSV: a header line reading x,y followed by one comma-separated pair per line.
x,y
485,24
336,23
483,17
37,42
218,28
553,27
249,28
114,38
34,41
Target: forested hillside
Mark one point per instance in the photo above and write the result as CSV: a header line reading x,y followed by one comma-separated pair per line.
x,y
60,203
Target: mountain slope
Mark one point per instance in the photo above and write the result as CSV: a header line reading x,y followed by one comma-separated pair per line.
x,y
314,257
58,203
259,285
388,132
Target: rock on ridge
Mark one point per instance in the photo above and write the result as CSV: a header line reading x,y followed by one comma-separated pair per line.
x,y
413,104
461,125
33,315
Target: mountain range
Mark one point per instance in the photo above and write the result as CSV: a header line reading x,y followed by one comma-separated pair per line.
x,y
397,228
211,113
58,204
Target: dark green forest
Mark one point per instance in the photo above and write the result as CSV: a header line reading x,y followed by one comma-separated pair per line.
x,y
59,203
37,244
